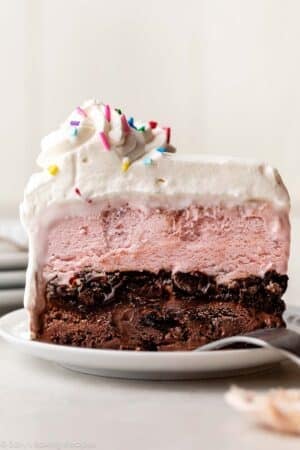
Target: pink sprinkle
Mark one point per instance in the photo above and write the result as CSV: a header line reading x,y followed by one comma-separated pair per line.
x,y
104,140
88,200
107,113
152,124
125,126
81,111
168,133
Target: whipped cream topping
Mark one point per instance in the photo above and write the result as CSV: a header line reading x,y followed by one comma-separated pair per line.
x,y
95,124
96,154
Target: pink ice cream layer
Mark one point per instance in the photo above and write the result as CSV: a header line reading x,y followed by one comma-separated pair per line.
x,y
227,242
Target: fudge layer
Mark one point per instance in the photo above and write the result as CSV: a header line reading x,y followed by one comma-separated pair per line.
x,y
133,247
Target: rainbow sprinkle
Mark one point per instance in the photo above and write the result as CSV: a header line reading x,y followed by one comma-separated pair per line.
x,y
104,140
131,122
168,133
107,113
125,164
152,124
147,161
78,192
53,170
75,123
81,111
124,123
74,132
161,149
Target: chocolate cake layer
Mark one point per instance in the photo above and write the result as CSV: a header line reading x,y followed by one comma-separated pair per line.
x,y
175,324
147,311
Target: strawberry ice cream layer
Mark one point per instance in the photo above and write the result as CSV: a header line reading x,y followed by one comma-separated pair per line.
x,y
228,242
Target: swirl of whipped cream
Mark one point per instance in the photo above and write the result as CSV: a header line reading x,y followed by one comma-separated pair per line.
x,y
95,123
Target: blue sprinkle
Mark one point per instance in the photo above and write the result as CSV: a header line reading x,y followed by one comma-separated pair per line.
x,y
131,122
161,149
147,161
74,132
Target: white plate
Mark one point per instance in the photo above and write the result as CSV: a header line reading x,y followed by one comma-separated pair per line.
x,y
13,260
143,365
12,278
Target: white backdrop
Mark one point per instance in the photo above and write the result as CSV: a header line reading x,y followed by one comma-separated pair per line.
x,y
224,74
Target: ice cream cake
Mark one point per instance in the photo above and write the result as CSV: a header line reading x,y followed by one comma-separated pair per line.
x,y
133,246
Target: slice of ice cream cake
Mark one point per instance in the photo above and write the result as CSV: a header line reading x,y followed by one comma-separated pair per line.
x,y
135,247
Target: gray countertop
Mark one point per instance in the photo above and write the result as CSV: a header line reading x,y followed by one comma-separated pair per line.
x,y
45,406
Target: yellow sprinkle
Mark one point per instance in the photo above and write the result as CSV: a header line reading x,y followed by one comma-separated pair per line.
x,y
125,164
53,170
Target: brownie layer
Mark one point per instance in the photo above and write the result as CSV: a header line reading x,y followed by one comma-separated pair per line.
x,y
164,311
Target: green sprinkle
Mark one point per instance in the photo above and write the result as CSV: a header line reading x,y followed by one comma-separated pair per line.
x,y
143,128
118,111
74,131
